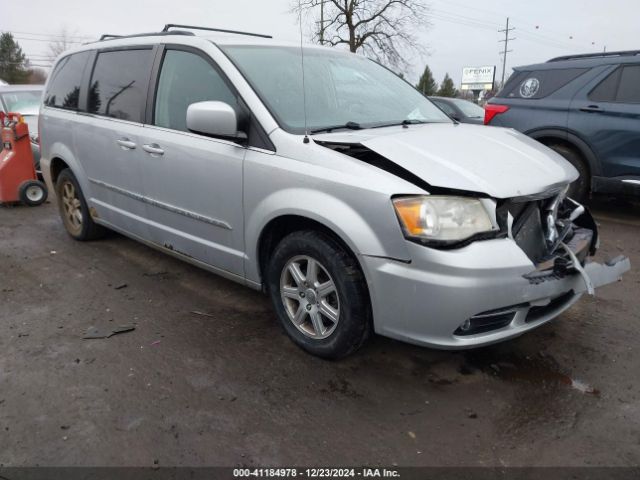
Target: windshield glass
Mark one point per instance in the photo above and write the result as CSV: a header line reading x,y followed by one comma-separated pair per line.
x,y
26,102
341,88
469,109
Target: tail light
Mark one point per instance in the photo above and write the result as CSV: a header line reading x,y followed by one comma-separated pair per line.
x,y
491,110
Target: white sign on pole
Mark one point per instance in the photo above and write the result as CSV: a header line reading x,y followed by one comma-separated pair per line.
x,y
478,78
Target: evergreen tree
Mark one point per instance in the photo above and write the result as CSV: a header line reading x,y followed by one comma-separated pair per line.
x,y
14,66
447,88
427,85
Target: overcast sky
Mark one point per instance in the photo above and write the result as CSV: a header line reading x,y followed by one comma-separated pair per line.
x,y
461,32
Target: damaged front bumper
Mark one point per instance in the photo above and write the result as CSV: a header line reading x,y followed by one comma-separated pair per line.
x,y
487,291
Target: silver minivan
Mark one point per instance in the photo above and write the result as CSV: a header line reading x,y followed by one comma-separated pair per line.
x,y
322,178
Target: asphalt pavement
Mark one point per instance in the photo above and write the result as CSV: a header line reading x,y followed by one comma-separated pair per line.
x,y
207,377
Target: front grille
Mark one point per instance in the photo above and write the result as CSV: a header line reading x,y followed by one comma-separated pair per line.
x,y
527,228
528,233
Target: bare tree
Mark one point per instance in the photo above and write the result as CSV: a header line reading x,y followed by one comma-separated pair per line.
x,y
60,42
381,29
37,76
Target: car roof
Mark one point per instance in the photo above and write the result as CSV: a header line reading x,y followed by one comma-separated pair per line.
x,y
219,38
20,88
587,60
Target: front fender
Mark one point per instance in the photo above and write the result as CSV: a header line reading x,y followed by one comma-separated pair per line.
x,y
327,210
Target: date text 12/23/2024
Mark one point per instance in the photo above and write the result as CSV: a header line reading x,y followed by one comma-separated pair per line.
x,y
315,473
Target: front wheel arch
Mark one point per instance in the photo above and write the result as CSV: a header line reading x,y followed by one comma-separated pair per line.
x,y
279,227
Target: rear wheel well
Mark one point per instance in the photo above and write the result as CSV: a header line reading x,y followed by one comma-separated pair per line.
x,y
280,227
57,165
580,189
551,141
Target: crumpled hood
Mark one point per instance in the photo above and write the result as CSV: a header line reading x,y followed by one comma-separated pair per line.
x,y
500,162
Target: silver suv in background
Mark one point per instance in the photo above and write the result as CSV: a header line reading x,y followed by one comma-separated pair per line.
x,y
356,204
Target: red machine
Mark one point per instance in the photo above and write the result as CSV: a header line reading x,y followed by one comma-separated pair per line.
x,y
18,180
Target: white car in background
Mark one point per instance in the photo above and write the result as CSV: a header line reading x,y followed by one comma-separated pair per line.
x,y
25,100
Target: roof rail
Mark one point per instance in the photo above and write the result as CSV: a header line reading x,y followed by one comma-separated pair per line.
x,y
596,55
173,25
108,36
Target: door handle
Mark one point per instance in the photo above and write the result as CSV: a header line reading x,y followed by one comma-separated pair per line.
x,y
153,149
126,144
591,109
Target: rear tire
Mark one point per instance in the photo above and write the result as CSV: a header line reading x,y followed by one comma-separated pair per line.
x,y
74,210
325,309
33,193
581,188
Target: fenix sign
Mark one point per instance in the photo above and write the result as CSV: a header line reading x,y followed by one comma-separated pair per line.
x,y
478,78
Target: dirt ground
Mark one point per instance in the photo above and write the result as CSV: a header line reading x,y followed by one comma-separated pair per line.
x,y
230,389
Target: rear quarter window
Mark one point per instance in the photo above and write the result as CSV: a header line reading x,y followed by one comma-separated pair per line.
x,y
532,85
63,89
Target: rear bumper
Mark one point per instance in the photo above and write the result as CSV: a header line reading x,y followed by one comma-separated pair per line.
x,y
425,302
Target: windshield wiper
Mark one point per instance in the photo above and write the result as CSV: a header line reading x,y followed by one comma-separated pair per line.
x,y
348,126
408,121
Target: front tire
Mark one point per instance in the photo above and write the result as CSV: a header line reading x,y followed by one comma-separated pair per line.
x,y
74,210
319,294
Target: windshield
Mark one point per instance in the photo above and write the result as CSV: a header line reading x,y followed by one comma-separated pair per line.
x,y
469,109
342,89
26,102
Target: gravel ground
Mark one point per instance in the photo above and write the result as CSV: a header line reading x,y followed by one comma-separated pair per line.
x,y
229,388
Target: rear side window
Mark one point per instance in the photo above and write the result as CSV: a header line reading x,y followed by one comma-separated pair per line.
x,y
187,78
539,84
118,86
63,89
622,85
629,89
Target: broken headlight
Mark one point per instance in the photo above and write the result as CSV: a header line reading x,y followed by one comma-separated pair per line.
x,y
442,218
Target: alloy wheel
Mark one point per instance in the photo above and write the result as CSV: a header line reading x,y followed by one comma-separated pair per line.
x,y
71,207
310,297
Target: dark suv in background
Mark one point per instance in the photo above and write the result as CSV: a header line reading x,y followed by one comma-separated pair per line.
x,y
586,108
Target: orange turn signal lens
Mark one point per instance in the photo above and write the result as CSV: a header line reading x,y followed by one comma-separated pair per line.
x,y
411,213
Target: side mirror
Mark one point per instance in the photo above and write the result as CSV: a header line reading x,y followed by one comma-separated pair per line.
x,y
217,119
